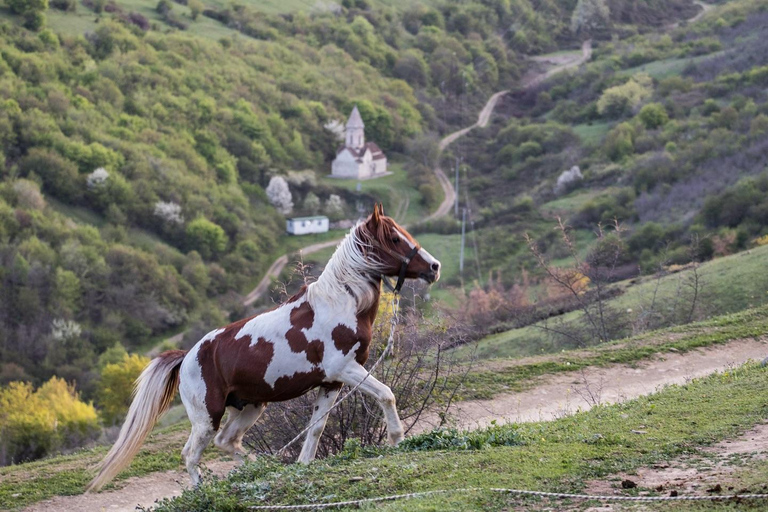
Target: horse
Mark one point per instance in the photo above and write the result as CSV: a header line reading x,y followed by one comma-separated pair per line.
x,y
319,338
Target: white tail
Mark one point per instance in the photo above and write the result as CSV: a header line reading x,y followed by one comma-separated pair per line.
x,y
152,396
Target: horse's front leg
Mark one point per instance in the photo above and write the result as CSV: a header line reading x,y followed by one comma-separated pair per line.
x,y
326,397
353,374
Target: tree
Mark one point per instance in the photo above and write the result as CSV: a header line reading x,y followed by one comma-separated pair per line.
x,y
206,237
653,115
195,8
615,101
590,16
334,206
33,11
279,195
116,385
312,203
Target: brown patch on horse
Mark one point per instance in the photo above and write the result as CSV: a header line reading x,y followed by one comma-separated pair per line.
x,y
302,318
298,294
292,386
226,363
345,338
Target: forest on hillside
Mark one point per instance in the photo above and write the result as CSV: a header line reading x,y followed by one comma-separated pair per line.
x,y
669,132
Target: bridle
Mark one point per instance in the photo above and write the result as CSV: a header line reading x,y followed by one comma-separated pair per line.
x,y
404,262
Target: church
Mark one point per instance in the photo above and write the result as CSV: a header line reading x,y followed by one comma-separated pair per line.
x,y
358,159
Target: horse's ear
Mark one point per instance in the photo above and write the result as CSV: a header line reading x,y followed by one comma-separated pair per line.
x,y
381,209
375,216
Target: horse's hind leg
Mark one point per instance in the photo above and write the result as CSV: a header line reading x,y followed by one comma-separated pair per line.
x,y
203,427
199,438
326,396
230,437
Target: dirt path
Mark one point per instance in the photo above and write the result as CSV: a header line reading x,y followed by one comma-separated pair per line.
x,y
144,491
704,9
565,393
698,474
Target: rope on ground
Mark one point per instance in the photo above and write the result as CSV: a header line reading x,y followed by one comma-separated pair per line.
x,y
542,494
387,350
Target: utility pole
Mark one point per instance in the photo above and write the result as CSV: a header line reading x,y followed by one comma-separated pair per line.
x,y
461,253
456,199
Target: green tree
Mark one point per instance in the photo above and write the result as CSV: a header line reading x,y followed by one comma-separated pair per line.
x,y
619,142
195,8
116,385
33,11
206,237
590,16
653,115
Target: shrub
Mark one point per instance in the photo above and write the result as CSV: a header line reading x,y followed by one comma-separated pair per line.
x,y
60,176
619,143
653,115
36,423
116,385
206,237
615,101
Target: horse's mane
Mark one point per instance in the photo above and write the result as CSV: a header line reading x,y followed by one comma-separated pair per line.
x,y
350,270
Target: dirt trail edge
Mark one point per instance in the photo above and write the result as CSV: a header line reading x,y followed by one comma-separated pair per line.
x,y
566,393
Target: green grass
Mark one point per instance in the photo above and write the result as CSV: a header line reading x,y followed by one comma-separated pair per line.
x,y
554,456
592,134
77,213
573,202
395,191
729,284
661,69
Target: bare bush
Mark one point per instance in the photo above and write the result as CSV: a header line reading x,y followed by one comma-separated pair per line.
x,y
601,322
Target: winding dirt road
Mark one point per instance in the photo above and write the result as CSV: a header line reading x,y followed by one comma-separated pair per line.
x,y
528,81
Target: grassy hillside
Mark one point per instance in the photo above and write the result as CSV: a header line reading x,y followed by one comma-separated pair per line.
x,y
652,121
557,456
729,284
544,456
136,156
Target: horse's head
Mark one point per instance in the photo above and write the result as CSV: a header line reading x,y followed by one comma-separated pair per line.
x,y
395,251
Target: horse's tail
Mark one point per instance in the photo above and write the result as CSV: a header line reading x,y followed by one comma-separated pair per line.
x,y
152,396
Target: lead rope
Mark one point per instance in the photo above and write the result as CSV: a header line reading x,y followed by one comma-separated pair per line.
x,y
559,495
390,343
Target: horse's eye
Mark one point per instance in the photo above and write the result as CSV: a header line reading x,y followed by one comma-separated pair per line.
x,y
395,240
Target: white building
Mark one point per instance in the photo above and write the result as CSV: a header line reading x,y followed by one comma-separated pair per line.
x,y
307,225
358,159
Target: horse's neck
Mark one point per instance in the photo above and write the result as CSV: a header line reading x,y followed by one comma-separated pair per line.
x,y
348,276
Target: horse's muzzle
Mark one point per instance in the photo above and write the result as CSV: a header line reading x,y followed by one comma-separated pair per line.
x,y
430,276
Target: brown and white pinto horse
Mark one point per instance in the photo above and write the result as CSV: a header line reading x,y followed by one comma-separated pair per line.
x,y
318,338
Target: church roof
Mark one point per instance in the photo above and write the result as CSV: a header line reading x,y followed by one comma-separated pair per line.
x,y
376,152
355,121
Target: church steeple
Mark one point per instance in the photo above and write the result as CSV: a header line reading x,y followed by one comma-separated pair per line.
x,y
355,136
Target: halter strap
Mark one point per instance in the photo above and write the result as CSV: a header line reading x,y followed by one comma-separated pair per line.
x,y
404,262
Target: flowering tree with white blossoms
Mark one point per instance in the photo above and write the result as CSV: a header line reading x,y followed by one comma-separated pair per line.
x,y
169,212
63,330
334,206
97,178
279,195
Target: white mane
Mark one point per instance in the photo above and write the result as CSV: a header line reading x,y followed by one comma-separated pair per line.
x,y
348,271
